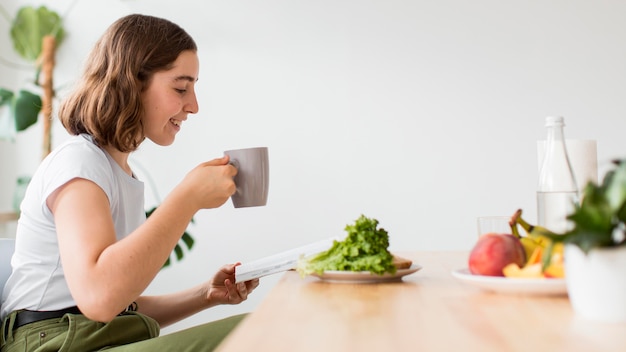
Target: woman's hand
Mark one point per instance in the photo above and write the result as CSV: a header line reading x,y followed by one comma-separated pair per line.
x,y
223,289
209,185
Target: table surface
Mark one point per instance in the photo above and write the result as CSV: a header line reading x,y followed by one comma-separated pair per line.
x,y
429,310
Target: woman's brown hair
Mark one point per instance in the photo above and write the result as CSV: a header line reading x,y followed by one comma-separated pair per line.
x,y
107,102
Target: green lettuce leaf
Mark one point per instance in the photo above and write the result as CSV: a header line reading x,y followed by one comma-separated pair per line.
x,y
365,248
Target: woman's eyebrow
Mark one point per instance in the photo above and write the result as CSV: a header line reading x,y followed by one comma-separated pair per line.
x,y
186,78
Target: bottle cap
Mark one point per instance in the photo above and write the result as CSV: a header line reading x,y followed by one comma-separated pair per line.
x,y
554,120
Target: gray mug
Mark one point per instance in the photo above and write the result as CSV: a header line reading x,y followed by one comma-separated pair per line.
x,y
253,176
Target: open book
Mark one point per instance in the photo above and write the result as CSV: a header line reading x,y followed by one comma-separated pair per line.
x,y
279,262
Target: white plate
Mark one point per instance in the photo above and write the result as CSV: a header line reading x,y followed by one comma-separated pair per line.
x,y
365,277
512,285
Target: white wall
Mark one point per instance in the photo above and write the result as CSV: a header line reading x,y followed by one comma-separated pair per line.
x,y
422,114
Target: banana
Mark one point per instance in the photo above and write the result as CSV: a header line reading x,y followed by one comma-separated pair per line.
x,y
531,230
538,247
530,243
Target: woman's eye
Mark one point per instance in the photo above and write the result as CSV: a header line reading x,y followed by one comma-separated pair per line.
x,y
180,91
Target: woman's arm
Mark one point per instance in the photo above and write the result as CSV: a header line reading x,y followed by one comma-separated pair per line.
x,y
103,275
171,308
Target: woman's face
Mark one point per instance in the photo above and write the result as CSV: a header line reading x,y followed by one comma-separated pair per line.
x,y
169,97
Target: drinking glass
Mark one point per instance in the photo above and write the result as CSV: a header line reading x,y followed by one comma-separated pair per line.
x,y
493,224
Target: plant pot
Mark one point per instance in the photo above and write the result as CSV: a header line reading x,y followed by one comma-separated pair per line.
x,y
596,282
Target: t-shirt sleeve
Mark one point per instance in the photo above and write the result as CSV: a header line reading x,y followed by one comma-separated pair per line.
x,y
77,161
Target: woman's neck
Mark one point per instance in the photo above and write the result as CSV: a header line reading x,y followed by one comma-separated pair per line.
x,y
120,158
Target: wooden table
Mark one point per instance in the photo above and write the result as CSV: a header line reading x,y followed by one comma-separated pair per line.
x,y
428,311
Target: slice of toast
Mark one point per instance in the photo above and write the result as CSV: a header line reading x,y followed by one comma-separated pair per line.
x,y
401,263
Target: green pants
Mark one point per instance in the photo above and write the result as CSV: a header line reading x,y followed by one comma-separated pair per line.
x,y
128,332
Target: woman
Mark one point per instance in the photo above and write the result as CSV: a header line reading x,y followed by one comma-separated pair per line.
x,y
84,250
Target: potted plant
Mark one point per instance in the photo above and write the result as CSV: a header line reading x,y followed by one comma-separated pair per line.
x,y
35,33
595,249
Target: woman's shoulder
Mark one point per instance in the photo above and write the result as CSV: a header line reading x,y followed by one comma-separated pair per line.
x,y
79,144
77,155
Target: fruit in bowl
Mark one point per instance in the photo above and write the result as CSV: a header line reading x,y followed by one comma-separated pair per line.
x,y
515,256
493,252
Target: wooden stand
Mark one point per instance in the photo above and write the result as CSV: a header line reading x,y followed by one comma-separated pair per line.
x,y
47,68
8,217
7,224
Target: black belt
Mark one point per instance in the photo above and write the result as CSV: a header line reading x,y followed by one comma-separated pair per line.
x,y
30,316
24,317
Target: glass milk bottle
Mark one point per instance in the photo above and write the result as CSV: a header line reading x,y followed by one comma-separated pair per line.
x,y
557,191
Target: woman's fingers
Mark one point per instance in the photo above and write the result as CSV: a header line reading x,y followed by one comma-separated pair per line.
x,y
252,284
239,292
242,290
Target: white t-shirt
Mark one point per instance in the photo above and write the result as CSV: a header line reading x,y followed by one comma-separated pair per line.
x,y
37,281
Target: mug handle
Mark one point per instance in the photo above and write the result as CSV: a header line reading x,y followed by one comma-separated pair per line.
x,y
234,163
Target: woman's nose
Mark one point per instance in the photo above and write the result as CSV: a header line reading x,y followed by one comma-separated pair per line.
x,y
191,106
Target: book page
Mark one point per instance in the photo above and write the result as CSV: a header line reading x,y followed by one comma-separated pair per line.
x,y
279,262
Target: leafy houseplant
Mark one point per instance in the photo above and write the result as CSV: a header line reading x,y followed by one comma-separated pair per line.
x,y
35,33
595,249
600,220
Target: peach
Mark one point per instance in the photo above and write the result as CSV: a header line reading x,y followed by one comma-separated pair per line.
x,y
493,252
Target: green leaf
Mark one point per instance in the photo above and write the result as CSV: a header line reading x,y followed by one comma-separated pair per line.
x,y
26,108
6,96
615,186
149,212
601,213
30,26
18,112
188,240
179,252
546,256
